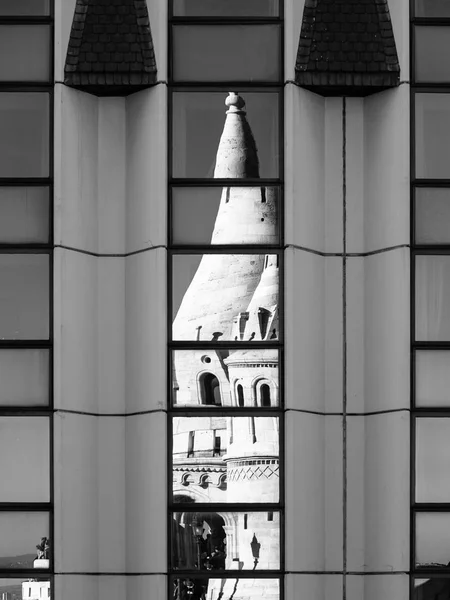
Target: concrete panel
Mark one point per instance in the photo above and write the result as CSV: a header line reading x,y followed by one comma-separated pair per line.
x,y
146,310
64,10
354,154
313,587
76,494
293,14
145,587
89,301
157,13
74,587
378,492
378,332
76,169
146,499
314,336
386,168
304,167
314,511
399,12
146,189
334,225
374,587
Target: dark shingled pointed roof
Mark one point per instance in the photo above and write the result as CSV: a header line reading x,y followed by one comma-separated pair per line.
x,y
110,49
347,47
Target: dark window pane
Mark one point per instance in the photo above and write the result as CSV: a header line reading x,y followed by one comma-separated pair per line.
x,y
24,134
222,297
432,298
226,52
24,377
250,472
24,215
432,133
24,296
24,588
225,8
204,125
20,533
213,542
198,588
432,539
254,372
432,215
24,7
432,378
24,459
229,215
24,52
432,8
432,459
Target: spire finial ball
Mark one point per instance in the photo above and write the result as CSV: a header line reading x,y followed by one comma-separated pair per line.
x,y
234,101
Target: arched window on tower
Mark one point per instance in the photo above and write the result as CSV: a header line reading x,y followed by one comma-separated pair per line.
x,y
210,390
264,395
240,395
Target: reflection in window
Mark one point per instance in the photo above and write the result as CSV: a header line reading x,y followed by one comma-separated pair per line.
x,y
432,131
432,215
432,8
432,540
264,392
210,389
24,215
432,385
432,294
240,394
24,588
25,53
25,477
24,296
432,459
20,533
250,445
24,377
21,8
196,588
215,541
228,366
225,8
244,52
431,44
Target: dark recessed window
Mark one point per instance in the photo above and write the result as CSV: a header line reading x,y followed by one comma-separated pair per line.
x,y
25,52
237,52
199,120
432,215
24,459
24,376
24,215
24,134
432,132
21,532
197,212
24,8
24,296
225,8
432,294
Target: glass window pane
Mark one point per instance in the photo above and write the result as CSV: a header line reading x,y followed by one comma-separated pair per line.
x,y
431,44
24,52
215,542
196,588
222,297
433,298
250,472
20,533
432,133
432,8
24,296
203,129
211,378
432,378
229,215
225,8
24,215
24,459
24,588
24,7
24,377
226,52
432,215
432,539
432,459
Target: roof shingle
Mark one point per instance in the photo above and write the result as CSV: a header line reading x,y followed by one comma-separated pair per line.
x,y
347,47
110,48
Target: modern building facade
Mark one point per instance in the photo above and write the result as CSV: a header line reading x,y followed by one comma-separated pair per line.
x,y
223,326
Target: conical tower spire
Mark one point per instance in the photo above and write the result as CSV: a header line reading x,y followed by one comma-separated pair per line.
x,y
237,156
